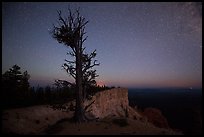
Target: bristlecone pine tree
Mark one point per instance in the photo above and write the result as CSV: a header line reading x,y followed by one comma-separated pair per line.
x,y
70,31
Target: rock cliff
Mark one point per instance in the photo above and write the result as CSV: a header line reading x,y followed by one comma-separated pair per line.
x,y
113,102
156,117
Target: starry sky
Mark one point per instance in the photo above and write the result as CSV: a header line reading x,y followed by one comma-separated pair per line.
x,y
138,44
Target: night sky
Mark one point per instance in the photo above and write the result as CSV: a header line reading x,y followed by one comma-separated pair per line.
x,y
138,44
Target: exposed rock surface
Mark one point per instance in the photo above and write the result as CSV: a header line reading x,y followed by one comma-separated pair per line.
x,y
113,102
155,116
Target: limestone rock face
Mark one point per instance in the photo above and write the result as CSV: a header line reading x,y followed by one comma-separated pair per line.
x,y
113,102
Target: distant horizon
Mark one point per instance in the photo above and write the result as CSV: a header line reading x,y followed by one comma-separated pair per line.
x,y
129,87
165,88
49,83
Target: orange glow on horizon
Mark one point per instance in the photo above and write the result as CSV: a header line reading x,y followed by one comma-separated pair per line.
x,y
100,83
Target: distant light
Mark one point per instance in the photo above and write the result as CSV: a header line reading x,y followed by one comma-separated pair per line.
x,y
191,88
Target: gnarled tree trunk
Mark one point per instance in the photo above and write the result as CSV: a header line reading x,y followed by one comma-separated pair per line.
x,y
79,113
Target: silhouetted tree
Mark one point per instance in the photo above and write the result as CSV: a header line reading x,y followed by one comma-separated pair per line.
x,y
24,84
70,31
66,88
15,86
89,74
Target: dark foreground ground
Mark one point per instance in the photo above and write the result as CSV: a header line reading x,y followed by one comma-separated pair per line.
x,y
43,120
107,126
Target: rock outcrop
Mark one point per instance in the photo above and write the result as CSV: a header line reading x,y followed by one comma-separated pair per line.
x,y
113,102
156,117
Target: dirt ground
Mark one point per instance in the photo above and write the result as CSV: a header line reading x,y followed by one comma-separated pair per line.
x,y
43,120
107,126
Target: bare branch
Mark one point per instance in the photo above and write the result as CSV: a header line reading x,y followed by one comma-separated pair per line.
x,y
70,70
84,24
86,107
71,53
72,74
61,19
91,66
84,39
70,62
64,82
83,49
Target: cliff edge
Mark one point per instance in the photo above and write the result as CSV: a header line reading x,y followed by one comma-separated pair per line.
x,y
113,102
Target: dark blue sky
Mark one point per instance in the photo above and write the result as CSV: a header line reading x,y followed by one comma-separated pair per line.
x,y
138,44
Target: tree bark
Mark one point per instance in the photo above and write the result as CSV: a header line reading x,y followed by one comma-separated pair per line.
x,y
79,113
